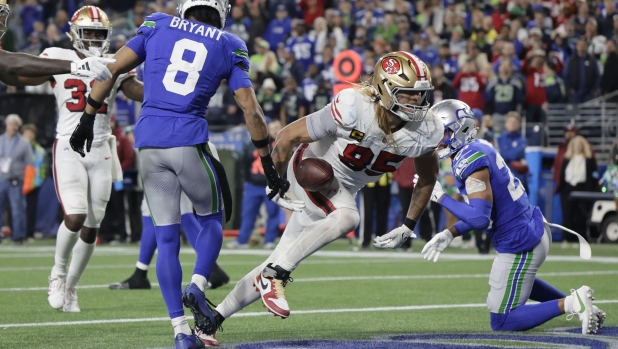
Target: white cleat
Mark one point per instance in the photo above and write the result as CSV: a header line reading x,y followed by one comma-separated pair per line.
x,y
583,308
600,314
70,302
55,292
209,341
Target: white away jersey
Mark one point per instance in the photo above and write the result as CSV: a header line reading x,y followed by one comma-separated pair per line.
x,y
71,94
360,152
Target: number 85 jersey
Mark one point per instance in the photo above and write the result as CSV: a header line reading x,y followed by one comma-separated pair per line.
x,y
360,152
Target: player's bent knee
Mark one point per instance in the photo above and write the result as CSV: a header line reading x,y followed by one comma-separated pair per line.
x,y
74,222
497,321
89,235
348,220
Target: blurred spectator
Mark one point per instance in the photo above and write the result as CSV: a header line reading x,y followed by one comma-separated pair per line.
x,y
320,31
238,24
16,176
578,173
470,85
486,129
322,97
376,202
269,99
62,21
55,39
609,82
458,41
312,9
508,53
441,88
512,147
596,42
290,6
279,28
500,15
404,33
473,53
359,44
40,173
326,67
605,20
309,85
535,86
222,109
582,18
555,89
388,29
113,226
254,195
264,62
293,102
301,45
425,52
448,62
582,74
504,95
31,13
292,68
570,131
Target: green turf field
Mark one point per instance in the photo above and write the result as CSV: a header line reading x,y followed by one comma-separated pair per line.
x,y
337,294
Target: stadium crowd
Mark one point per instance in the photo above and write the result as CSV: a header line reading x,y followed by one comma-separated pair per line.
x,y
507,59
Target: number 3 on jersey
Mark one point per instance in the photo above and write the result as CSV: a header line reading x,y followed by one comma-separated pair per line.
x,y
357,158
78,92
186,63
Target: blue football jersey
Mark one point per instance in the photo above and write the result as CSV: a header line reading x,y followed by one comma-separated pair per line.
x,y
184,63
303,49
516,226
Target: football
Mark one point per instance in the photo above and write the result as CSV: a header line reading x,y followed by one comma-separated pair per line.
x,y
314,174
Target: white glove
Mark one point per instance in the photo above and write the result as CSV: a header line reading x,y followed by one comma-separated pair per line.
x,y
436,245
286,202
437,192
92,68
394,239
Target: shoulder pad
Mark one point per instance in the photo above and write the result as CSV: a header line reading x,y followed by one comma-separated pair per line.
x,y
343,108
156,17
469,158
54,53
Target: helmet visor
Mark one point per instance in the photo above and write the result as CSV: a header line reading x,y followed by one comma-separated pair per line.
x,y
410,104
4,19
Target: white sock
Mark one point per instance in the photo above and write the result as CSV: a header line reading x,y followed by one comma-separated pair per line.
x,y
81,255
141,266
200,281
242,295
568,304
181,325
65,240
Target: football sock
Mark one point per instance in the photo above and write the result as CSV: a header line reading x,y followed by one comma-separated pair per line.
x,y
169,271
317,235
543,292
568,304
65,240
525,317
191,227
148,244
181,325
242,295
199,281
208,243
81,256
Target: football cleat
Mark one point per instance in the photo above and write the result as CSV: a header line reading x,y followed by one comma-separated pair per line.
x,y
184,341
600,314
217,278
271,285
194,299
70,302
211,341
55,292
132,283
582,307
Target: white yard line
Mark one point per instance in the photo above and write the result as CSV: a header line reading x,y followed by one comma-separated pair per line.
x,y
362,278
264,313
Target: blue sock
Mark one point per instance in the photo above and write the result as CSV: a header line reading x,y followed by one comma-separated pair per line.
x,y
169,271
208,243
191,227
148,243
525,317
543,292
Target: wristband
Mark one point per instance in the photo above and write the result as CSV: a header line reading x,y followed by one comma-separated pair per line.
x,y
409,223
261,143
96,105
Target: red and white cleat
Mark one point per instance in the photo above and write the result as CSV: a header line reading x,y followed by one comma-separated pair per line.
x,y
271,285
209,341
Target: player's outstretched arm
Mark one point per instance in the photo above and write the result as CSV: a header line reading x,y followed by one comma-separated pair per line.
x,y
476,214
287,139
133,89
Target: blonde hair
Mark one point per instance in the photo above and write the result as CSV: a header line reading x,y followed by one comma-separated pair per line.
x,y
571,148
366,89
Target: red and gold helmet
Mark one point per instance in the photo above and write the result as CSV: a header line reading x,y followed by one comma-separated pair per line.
x,y
5,11
402,71
90,18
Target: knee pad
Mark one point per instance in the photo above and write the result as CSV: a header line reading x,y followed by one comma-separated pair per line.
x,y
95,217
349,219
215,216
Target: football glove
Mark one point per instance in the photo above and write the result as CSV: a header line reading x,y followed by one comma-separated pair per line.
x,y
83,133
394,239
92,68
437,192
436,245
279,186
285,202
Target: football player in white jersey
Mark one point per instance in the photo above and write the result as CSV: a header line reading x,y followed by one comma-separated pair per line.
x,y
363,133
75,176
21,64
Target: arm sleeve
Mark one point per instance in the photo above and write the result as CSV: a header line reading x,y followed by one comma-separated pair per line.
x,y
236,50
462,228
321,124
477,214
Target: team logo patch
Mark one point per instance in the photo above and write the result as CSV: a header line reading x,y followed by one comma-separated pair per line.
x,y
391,66
149,24
357,135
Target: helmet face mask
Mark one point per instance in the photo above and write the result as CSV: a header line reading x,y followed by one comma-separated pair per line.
x,y
5,11
459,126
222,6
86,23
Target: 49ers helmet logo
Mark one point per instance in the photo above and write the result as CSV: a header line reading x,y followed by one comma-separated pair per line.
x,y
391,66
